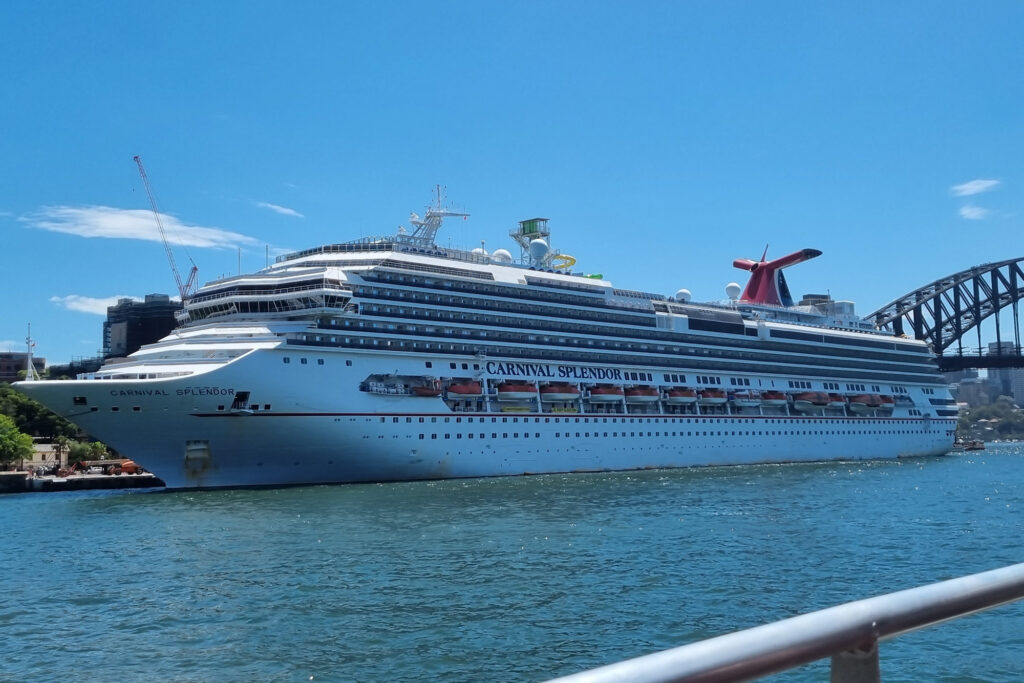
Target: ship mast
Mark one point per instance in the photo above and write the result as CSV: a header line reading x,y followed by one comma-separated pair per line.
x,y
427,228
30,369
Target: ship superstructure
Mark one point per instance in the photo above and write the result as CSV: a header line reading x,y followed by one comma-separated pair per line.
x,y
394,358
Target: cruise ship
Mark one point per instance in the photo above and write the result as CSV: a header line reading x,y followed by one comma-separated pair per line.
x,y
394,358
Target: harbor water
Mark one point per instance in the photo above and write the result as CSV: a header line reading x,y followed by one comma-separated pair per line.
x,y
507,579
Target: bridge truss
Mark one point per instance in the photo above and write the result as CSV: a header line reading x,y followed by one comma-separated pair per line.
x,y
945,311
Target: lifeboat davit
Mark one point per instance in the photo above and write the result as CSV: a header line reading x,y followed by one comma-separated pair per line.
x,y
465,388
606,394
808,401
559,392
641,394
680,396
773,399
513,391
746,399
865,403
713,397
836,401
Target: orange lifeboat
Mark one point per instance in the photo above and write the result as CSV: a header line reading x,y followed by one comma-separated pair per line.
x,y
460,388
680,396
836,401
559,392
713,397
606,393
808,401
426,391
641,394
887,403
516,391
865,403
773,399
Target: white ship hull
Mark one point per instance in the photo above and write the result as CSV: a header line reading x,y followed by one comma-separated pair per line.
x,y
184,431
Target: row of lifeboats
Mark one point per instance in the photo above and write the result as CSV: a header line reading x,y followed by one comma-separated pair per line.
x,y
561,392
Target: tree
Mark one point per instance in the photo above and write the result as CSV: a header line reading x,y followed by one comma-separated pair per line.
x,y
13,444
31,416
61,446
87,451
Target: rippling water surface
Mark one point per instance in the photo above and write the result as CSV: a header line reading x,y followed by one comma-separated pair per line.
x,y
498,579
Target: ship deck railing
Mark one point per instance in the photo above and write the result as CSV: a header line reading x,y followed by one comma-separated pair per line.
x,y
849,633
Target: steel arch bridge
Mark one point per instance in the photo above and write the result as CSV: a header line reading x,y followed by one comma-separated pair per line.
x,y
944,312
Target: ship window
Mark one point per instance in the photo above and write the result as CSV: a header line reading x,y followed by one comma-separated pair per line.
x,y
114,409
286,359
220,407
303,361
136,409
80,401
429,364
319,361
266,406
348,362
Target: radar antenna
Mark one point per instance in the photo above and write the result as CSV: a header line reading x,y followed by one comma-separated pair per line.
x,y
185,290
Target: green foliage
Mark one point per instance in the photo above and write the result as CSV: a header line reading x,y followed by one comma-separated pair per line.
x,y
31,416
87,451
1004,420
13,444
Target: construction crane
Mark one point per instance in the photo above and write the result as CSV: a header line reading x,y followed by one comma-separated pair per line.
x,y
184,290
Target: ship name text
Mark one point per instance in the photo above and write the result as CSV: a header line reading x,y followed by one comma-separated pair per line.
x,y
554,371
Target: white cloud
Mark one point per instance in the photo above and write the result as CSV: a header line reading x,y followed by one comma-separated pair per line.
x,y
132,224
974,213
283,210
974,187
87,304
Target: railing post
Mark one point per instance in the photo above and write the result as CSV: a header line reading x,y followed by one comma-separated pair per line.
x,y
856,666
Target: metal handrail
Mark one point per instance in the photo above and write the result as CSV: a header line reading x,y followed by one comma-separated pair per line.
x,y
853,627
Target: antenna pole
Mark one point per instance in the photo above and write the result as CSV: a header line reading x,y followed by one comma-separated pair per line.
x,y
30,369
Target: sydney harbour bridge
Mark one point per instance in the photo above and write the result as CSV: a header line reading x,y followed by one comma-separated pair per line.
x,y
948,314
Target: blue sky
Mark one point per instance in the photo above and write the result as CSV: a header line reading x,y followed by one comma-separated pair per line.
x,y
662,139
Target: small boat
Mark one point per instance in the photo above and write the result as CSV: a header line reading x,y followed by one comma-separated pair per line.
x,y
746,399
516,391
606,393
641,394
560,391
809,401
465,388
426,391
680,396
713,397
773,399
865,403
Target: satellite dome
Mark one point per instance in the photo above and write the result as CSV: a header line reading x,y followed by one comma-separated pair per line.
x,y
481,251
732,290
501,256
538,249
683,295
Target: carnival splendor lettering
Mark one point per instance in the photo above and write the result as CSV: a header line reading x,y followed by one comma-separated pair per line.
x,y
559,371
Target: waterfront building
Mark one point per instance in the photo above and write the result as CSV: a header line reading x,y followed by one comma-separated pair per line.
x,y
131,324
13,362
